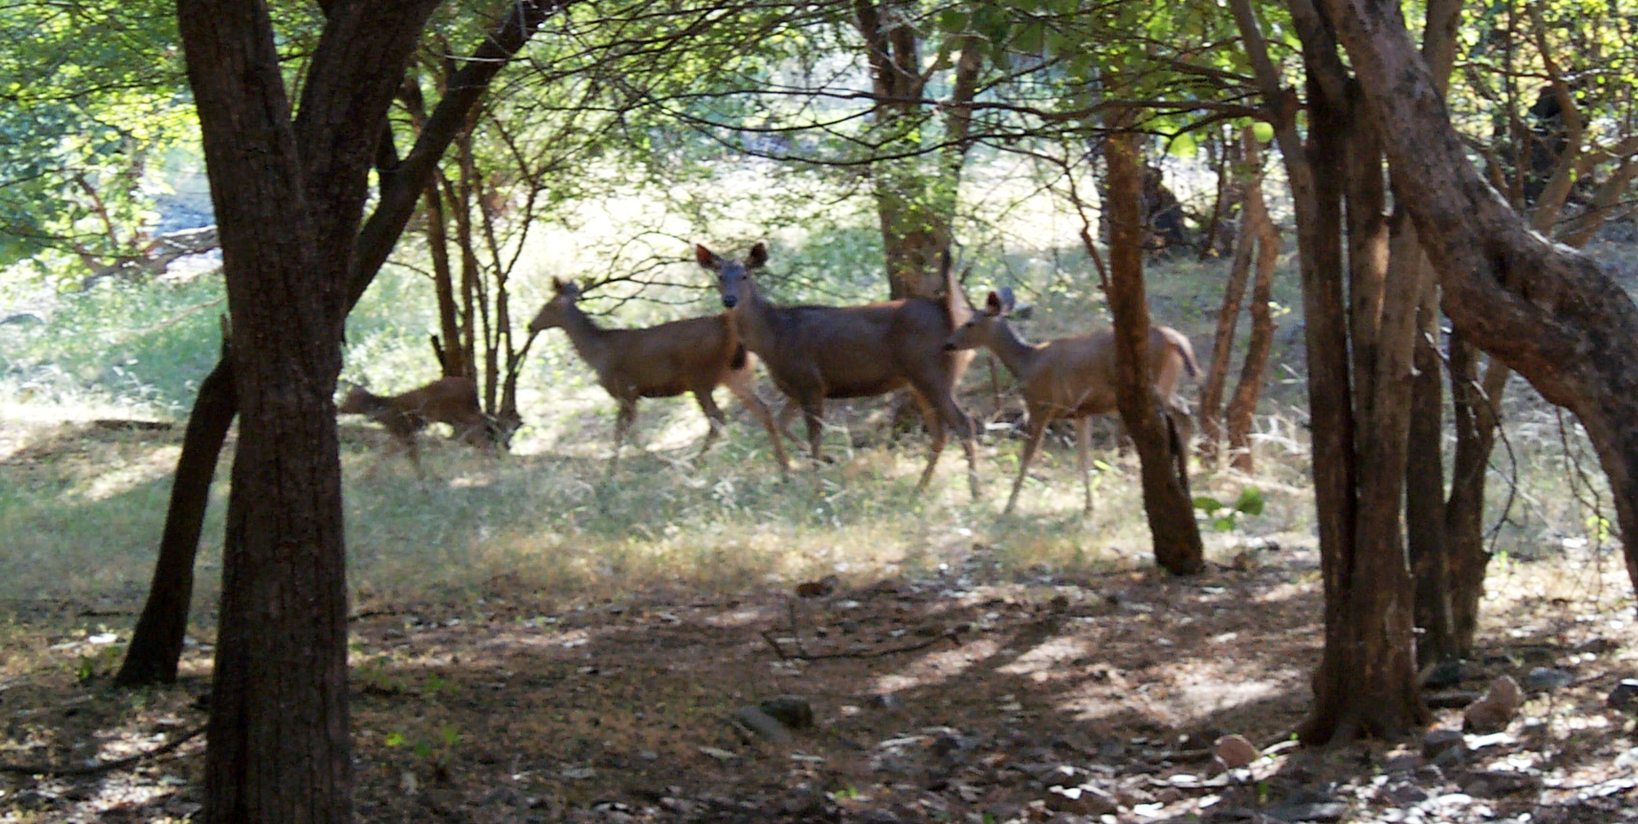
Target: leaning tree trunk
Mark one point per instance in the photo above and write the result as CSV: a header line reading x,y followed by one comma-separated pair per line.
x,y
156,643
1164,461
1547,311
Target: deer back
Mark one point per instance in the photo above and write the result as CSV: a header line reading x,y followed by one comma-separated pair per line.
x,y
671,358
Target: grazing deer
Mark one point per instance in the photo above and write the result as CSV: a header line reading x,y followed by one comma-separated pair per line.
x,y
694,355
1072,377
819,352
447,400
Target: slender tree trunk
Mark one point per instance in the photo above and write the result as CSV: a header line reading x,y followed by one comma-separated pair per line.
x,y
1210,412
1164,473
1246,394
454,363
1425,465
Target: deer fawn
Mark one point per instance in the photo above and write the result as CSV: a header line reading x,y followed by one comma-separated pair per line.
x,y
447,400
694,355
1072,377
819,352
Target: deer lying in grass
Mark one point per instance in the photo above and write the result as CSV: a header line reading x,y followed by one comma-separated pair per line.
x,y
1073,377
447,400
819,352
694,355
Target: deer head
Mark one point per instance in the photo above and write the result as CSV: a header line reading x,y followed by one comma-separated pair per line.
x,y
980,329
564,295
733,277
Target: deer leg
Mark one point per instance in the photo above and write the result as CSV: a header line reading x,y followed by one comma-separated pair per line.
x,y
813,410
935,428
1083,456
622,423
413,446
787,413
713,414
967,430
1038,421
739,383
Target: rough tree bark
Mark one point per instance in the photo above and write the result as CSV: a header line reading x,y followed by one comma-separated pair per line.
x,y
1547,311
1164,462
157,641
1210,409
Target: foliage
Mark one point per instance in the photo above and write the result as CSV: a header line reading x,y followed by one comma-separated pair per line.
x,y
1250,502
92,102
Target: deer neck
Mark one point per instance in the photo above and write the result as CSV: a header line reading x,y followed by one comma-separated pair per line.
x,y
755,321
590,341
1017,354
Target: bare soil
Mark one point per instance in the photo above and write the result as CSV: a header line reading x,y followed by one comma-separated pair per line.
x,y
968,695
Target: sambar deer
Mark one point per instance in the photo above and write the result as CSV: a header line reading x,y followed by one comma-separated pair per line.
x,y
818,352
1072,377
450,400
693,355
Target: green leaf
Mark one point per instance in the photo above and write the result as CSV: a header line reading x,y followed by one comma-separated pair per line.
x,y
1263,130
1223,524
1183,145
394,739
1207,504
1250,502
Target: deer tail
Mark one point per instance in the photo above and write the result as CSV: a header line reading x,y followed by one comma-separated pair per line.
x,y
1180,342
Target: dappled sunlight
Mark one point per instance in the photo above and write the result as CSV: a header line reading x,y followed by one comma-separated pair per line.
x,y
1045,660
934,668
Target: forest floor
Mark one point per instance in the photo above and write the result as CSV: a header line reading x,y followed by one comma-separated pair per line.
x,y
975,689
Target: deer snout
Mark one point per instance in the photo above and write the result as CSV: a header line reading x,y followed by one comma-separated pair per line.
x,y
949,347
730,301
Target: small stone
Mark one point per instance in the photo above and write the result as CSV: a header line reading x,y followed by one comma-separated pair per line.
x,y
1445,674
1547,679
1402,795
793,711
1328,811
1495,784
1408,762
878,816
1496,709
1444,746
752,718
1625,695
1086,799
1234,751
887,701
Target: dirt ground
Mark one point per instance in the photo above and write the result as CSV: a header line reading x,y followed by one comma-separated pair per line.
x,y
969,695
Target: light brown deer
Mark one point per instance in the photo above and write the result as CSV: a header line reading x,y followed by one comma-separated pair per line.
x,y
447,400
1073,377
694,355
818,352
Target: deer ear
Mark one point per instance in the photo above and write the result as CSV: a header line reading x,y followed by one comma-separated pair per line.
x,y
758,257
1008,301
706,258
557,285
992,304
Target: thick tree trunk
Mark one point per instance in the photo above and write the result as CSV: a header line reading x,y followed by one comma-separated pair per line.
x,y
1548,312
1164,474
165,615
1243,405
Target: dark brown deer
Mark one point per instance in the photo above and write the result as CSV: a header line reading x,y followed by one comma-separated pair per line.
x,y
694,355
819,352
447,400
1073,377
